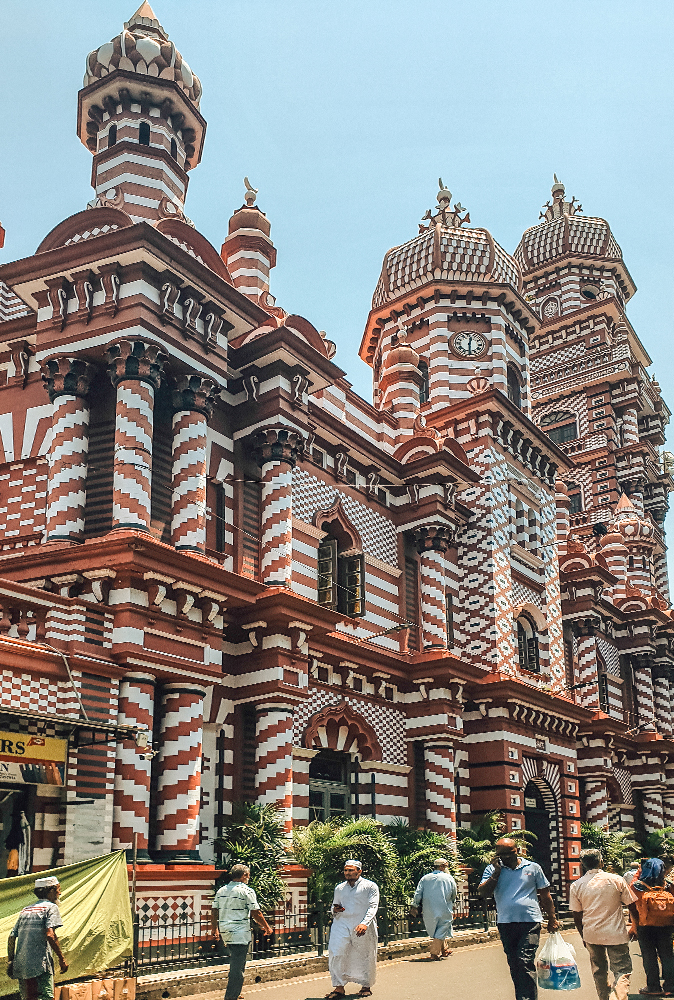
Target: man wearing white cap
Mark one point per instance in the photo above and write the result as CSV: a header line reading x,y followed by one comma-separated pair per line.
x,y
436,894
353,936
32,941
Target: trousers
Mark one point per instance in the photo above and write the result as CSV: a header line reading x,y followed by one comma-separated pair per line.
x,y
238,953
39,988
656,942
520,943
619,958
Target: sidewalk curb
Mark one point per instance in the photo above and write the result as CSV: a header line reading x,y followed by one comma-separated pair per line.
x,y
189,982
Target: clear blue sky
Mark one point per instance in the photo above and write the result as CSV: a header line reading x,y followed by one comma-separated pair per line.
x,y
344,114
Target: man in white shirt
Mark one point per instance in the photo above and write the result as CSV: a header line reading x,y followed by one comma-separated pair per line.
x,y
596,901
353,936
233,906
436,894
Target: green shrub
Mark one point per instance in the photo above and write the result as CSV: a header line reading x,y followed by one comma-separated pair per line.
x,y
617,849
255,836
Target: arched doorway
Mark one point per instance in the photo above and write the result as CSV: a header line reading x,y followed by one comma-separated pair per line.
x,y
540,818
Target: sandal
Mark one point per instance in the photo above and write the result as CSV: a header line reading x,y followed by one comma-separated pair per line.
x,y
364,992
333,994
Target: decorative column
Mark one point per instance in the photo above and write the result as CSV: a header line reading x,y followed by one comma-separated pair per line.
x,y
596,802
440,788
274,758
179,773
668,809
663,706
67,382
653,809
131,803
630,428
643,683
193,407
432,543
135,370
587,669
277,450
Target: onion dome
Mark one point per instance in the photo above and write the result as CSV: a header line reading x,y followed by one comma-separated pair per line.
x,y
564,232
143,47
402,354
444,251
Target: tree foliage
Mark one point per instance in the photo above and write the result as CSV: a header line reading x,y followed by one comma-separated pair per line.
x,y
475,846
254,835
617,849
657,842
417,850
324,847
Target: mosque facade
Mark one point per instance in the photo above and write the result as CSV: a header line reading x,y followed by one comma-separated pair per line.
x,y
225,577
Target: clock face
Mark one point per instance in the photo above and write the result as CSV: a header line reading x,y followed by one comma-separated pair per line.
x,y
469,345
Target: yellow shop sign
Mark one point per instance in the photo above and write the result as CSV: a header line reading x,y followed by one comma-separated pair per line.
x,y
26,758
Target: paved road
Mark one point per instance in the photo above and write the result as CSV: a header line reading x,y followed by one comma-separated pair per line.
x,y
475,973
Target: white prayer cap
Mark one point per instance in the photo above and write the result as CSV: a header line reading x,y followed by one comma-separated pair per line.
x,y
353,863
46,883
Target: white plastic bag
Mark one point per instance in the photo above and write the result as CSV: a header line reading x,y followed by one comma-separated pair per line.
x,y
556,967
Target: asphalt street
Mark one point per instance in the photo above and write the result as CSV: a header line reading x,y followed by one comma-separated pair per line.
x,y
478,972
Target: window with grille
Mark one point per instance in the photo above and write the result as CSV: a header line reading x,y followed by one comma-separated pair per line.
x,y
527,645
220,509
425,389
327,572
412,600
603,691
250,534
514,389
329,786
351,593
341,579
567,432
449,612
575,501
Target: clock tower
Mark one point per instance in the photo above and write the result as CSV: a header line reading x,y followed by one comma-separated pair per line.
x,y
455,297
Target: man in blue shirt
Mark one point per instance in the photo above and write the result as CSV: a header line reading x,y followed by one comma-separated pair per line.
x,y
520,889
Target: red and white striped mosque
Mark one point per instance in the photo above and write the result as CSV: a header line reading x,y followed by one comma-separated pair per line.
x,y
226,577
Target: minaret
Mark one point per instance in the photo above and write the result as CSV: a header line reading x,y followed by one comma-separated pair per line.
x,y
248,250
138,113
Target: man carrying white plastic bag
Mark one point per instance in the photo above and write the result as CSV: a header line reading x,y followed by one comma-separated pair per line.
x,y
596,901
556,967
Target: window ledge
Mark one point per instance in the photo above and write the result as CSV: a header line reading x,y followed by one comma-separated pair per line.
x,y
528,558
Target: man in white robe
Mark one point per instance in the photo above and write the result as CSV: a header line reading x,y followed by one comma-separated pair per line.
x,y
352,948
436,894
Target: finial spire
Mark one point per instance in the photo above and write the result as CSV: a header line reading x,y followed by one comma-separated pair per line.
x,y
444,214
559,207
251,193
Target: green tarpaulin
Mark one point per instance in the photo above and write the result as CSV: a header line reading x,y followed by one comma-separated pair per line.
x,y
97,930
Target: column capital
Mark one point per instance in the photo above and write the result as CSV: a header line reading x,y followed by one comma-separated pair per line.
x,y
63,376
135,359
196,394
278,444
434,536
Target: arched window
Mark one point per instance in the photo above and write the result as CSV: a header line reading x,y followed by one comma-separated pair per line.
x,y
527,645
174,149
112,135
144,134
424,390
329,785
514,390
341,578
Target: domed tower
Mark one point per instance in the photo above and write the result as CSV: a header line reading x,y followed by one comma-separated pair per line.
x,y
453,296
589,388
138,113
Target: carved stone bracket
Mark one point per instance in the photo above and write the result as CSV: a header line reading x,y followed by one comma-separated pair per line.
x,y
278,444
136,359
195,393
112,284
170,294
66,377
